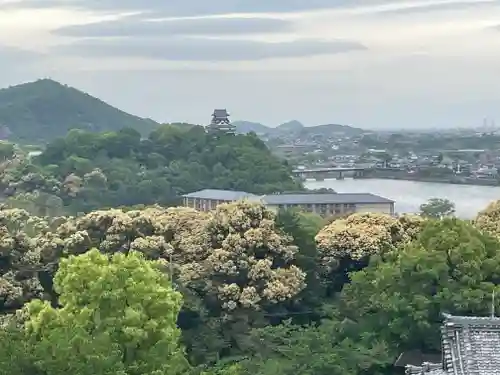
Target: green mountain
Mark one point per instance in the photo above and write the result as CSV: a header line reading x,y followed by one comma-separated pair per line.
x,y
40,111
244,127
295,128
329,130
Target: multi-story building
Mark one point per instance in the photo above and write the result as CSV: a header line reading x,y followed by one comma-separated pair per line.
x,y
324,204
220,122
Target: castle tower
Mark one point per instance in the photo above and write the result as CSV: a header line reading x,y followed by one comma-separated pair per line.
x,y
220,122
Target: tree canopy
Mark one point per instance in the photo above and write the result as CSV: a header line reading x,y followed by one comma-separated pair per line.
x,y
262,292
452,267
437,208
117,314
85,171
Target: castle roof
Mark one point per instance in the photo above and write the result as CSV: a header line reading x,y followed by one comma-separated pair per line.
x,y
220,113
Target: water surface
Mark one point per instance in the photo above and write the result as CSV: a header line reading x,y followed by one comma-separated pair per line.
x,y
409,195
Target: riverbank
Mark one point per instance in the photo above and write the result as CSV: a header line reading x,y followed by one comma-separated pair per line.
x,y
453,180
409,195
475,182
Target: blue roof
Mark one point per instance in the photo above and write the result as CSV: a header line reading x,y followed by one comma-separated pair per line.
x,y
291,199
221,195
334,198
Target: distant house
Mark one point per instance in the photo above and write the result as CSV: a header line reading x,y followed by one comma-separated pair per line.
x,y
295,149
324,204
471,346
486,172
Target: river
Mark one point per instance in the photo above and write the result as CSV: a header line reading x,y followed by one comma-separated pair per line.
x,y
409,195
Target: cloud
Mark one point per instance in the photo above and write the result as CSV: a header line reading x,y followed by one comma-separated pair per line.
x,y
435,6
13,57
181,8
190,8
134,27
18,65
205,49
269,60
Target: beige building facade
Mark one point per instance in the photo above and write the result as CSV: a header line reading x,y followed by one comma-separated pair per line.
x,y
324,204
327,209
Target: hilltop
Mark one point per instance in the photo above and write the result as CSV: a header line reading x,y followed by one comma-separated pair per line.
x,y
295,128
40,111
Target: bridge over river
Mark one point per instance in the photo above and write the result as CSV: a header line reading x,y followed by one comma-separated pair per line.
x,y
339,173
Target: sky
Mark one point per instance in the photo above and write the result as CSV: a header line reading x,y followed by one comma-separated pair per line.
x,y
377,64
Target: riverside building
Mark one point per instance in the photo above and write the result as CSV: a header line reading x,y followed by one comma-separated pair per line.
x,y
324,204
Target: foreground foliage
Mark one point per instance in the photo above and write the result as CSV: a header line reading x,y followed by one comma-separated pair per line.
x,y
451,267
117,315
262,293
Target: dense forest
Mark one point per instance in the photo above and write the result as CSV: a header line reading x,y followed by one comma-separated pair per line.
x,y
101,273
38,112
85,171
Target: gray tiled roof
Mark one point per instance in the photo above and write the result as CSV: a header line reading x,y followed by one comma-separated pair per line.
x,y
222,195
220,113
471,346
282,199
334,198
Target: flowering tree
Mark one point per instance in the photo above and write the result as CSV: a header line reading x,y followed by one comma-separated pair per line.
x,y
489,219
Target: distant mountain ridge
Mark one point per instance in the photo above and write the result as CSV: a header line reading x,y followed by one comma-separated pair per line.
x,y
43,110
245,127
295,127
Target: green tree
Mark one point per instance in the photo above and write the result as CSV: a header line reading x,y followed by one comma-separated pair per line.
x,y
437,208
324,349
15,356
303,227
452,267
37,203
118,316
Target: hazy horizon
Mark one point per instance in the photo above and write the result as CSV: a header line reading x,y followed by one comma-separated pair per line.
x,y
418,64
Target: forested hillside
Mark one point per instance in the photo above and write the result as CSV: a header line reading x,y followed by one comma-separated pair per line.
x,y
40,111
85,171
